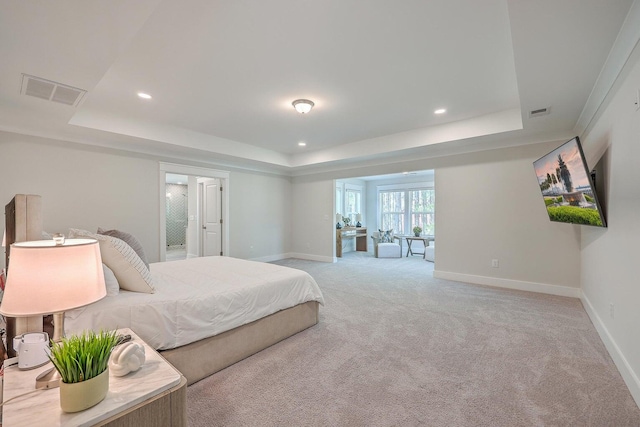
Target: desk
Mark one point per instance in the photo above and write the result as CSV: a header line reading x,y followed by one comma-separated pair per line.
x,y
424,240
358,233
152,396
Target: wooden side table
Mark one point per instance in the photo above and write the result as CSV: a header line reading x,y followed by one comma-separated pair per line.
x,y
410,240
152,396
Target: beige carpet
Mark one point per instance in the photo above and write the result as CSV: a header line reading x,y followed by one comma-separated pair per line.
x,y
395,347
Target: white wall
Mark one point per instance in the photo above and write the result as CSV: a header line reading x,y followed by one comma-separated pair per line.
x,y
85,187
610,257
260,216
313,232
489,206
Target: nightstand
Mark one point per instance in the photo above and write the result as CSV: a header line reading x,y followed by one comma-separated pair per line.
x,y
154,395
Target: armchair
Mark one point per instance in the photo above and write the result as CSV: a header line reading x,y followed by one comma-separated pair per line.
x,y
385,245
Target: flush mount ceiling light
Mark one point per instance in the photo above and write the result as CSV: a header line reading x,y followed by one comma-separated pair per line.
x,y
302,106
144,95
440,111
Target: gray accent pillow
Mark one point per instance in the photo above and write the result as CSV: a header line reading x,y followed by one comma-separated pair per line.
x,y
127,266
110,281
129,239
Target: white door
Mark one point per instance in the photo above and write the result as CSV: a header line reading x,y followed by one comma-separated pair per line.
x,y
211,233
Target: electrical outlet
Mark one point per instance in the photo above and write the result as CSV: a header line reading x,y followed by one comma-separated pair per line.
x,y
495,263
612,310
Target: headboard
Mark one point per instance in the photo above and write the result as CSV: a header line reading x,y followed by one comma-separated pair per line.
x,y
23,222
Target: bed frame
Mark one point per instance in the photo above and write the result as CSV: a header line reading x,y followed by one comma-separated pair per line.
x,y
196,360
205,357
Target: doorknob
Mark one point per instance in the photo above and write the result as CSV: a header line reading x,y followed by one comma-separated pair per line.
x,y
204,227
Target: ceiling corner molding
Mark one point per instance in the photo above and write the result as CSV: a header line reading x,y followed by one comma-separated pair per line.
x,y
622,48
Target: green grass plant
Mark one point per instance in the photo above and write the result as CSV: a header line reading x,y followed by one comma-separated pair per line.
x,y
82,357
574,214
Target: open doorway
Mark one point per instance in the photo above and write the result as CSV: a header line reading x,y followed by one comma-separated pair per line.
x,y
403,203
193,212
177,213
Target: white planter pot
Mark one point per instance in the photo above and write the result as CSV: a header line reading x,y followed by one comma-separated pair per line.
x,y
76,397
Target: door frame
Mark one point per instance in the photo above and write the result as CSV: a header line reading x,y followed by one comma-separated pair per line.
x,y
163,169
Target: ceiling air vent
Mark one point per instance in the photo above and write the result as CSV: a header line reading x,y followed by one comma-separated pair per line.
x,y
539,112
51,91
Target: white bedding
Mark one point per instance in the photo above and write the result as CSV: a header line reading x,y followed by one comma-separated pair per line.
x,y
198,298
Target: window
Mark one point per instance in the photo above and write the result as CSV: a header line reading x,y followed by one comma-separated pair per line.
x,y
392,211
353,199
402,209
422,212
349,200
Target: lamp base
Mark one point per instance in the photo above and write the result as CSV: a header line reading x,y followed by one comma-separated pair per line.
x,y
48,379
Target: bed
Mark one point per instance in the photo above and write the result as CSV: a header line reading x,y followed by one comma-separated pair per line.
x,y
207,313
202,314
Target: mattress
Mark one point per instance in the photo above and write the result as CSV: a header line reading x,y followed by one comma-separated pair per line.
x,y
198,298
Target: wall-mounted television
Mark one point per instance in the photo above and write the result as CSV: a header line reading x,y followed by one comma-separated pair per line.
x,y
565,182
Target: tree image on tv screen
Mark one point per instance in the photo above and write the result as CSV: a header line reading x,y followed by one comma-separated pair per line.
x,y
566,186
565,175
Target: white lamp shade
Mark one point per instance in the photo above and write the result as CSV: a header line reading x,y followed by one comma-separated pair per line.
x,y
358,217
338,217
46,278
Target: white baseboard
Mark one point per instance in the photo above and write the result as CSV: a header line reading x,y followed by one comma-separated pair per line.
x,y
542,288
630,378
308,257
270,258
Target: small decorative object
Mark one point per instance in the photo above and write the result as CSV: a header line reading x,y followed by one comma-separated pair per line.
x,y
346,220
416,231
82,361
127,357
358,218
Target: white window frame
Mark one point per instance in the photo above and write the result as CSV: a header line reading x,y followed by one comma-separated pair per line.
x,y
356,190
406,189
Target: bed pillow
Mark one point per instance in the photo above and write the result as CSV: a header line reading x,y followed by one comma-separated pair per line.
x,y
110,281
129,239
126,265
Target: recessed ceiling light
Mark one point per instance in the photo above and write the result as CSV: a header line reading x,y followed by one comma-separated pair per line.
x,y
302,106
144,95
440,111
405,173
302,144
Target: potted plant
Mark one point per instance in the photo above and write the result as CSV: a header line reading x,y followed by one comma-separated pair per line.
x,y
416,231
83,362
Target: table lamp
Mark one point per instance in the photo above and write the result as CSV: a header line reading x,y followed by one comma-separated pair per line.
x,y
358,219
51,276
338,219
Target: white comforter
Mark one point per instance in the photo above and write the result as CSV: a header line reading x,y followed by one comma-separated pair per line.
x,y
198,298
